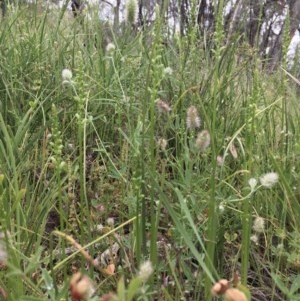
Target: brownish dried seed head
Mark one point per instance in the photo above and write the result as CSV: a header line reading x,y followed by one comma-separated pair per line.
x,y
224,283
81,287
233,294
163,107
220,160
220,287
108,297
192,118
99,208
215,290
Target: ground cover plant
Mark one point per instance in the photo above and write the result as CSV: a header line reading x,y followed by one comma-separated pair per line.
x,y
138,165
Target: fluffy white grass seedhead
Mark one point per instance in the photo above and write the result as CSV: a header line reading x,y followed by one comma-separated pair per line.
x,y
66,75
259,225
146,269
252,182
269,179
203,140
192,118
110,221
254,239
110,48
168,71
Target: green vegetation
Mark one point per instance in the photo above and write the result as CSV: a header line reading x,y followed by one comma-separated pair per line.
x,y
152,148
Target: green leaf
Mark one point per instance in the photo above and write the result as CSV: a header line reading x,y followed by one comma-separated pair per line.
x,y
295,285
29,298
49,284
133,288
34,261
280,284
121,290
295,297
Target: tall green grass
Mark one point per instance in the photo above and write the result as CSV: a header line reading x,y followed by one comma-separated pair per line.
x,y
88,150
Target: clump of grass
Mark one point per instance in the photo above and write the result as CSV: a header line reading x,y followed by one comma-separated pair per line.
x,y
131,150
